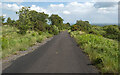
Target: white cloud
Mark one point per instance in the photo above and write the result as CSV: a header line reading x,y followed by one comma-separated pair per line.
x,y
105,0
13,7
0,4
38,9
4,15
76,11
107,10
66,12
87,11
56,5
81,8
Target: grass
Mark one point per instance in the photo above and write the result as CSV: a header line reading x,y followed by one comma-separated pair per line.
x,y
102,52
13,42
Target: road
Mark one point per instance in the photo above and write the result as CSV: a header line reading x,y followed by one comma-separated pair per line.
x,y
59,55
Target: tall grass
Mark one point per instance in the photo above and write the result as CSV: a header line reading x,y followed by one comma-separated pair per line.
x,y
102,52
13,42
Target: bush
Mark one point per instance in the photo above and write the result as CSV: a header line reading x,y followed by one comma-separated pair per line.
x,y
5,43
112,30
13,42
23,29
103,52
39,32
34,34
81,25
39,39
54,30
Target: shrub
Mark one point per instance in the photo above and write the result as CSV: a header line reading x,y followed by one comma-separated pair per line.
x,y
13,42
39,39
5,43
39,32
54,30
103,52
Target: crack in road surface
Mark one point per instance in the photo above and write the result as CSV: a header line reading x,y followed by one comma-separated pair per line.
x,y
59,55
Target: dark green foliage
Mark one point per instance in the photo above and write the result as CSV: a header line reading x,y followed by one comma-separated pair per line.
x,y
32,20
39,32
38,21
112,30
4,43
109,31
66,26
75,27
23,29
97,61
57,21
9,21
2,19
84,25
53,30
81,25
33,34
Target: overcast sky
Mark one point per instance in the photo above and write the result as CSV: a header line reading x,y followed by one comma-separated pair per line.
x,y
101,11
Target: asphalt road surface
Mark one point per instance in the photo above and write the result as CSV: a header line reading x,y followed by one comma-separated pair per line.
x,y
59,55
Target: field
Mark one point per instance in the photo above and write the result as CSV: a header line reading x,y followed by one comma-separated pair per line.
x,y
13,42
103,52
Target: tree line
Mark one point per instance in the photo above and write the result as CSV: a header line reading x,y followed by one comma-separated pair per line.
x,y
108,31
38,21
42,22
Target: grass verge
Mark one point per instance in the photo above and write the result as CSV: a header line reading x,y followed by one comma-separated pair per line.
x,y
13,42
102,52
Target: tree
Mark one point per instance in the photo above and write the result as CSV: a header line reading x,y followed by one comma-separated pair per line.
x,y
84,25
2,19
24,18
66,25
39,20
75,27
32,20
9,21
56,20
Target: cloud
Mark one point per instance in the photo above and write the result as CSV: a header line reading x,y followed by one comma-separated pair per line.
x,y
0,4
12,7
105,4
66,12
38,9
95,12
106,10
15,7
56,5
4,15
105,0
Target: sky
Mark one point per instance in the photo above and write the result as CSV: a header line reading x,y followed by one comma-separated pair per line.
x,y
94,11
